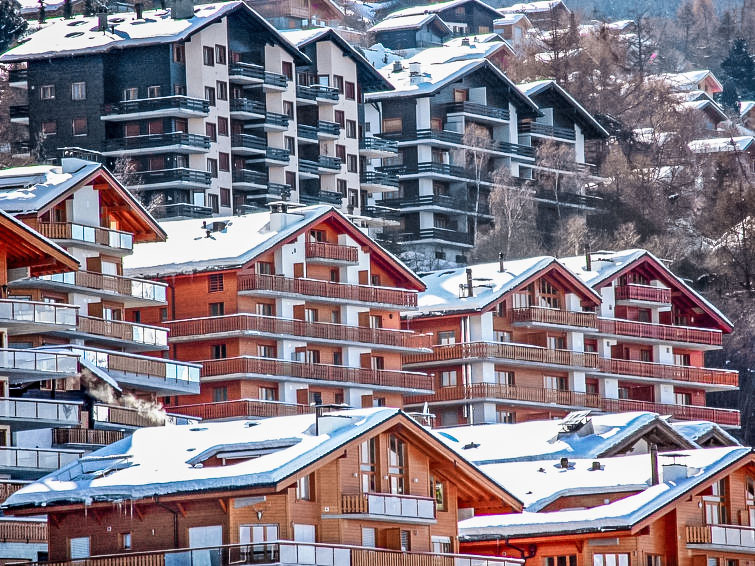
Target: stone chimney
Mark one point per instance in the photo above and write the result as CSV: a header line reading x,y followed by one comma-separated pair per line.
x,y
470,286
102,20
280,217
182,9
139,10
397,67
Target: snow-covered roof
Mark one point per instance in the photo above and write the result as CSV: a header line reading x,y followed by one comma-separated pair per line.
x,y
438,7
453,51
541,440
511,19
721,145
532,7
746,106
379,55
410,21
478,38
32,6
698,430
162,460
689,80
79,35
619,515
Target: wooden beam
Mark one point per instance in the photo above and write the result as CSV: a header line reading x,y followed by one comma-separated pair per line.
x,y
181,509
139,513
223,505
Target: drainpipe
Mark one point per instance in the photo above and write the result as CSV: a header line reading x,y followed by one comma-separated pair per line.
x,y
175,520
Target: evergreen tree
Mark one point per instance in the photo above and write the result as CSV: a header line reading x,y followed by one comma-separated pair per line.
x,y
727,27
739,66
729,97
12,24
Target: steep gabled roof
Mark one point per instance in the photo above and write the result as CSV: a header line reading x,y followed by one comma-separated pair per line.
x,y
442,6
412,22
689,80
533,7
722,145
78,36
745,107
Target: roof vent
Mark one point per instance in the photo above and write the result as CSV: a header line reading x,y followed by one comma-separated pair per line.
x,y
465,42
596,466
564,463
139,9
415,69
470,446
102,24
397,67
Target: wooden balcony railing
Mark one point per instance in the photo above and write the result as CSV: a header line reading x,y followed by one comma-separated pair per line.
x,y
136,365
505,351
114,239
554,316
23,530
40,410
241,408
642,293
389,505
667,371
481,391
9,487
323,250
659,331
127,286
86,436
319,372
726,417
286,552
201,327
35,312
722,535
121,330
126,416
326,289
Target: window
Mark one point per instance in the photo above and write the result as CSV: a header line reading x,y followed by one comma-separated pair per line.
x,y
337,361
715,504
78,548
335,276
179,90
225,197
47,92
222,126
288,108
290,142
367,465
446,337
556,383
208,56
341,152
221,90
212,167
653,560
217,351
351,129
131,93
179,53
448,378
351,163
504,416
219,394
49,128
224,164
155,127
153,91
341,186
549,295
304,488
609,560
504,377
461,95
264,267
287,70
350,91
125,539
310,315
257,533
405,537
570,560
217,309
79,91
220,54
392,126
268,393
323,80
212,200
338,83
180,125
682,359
291,179
643,315
210,130
368,537
340,117
556,342
376,321
646,355
441,545
265,351
264,309
209,95
502,335
79,126
396,463
215,283
163,314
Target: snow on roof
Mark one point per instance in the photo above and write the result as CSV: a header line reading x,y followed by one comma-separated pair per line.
x,y
511,19
79,35
746,106
162,460
379,56
452,52
188,247
412,21
540,440
696,430
301,36
532,7
619,515
437,7
479,38
689,80
721,145
432,78
32,6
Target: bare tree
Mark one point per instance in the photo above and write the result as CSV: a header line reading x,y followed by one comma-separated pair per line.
x,y
477,141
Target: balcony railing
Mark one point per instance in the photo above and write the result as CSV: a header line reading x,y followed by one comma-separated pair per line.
x,y
28,360
642,293
441,201
477,110
242,408
126,286
248,106
274,79
37,458
40,410
457,138
19,111
122,330
9,487
324,250
181,209
125,416
554,316
248,70
722,536
176,175
277,120
388,505
318,372
277,154
305,92
667,371
306,132
146,366
326,289
285,552
86,436
248,141
546,130
378,178
18,75
239,323
181,103
326,162
726,417
250,177
372,143
325,92
194,141
307,166
480,391
653,331
326,197
505,351
98,235
328,128
34,312
23,530
444,234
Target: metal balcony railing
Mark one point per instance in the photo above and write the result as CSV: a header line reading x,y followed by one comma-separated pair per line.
x,y
87,234
149,141
162,103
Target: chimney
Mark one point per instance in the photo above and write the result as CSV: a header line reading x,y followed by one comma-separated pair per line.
x,y
182,9
654,480
565,463
675,472
588,259
415,69
470,288
280,217
595,466
102,21
397,67
500,262
139,9
465,42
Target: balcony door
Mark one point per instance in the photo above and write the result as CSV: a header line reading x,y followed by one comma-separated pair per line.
x,y
205,538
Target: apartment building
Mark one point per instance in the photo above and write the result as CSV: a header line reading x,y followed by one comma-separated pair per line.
x,y
537,338
77,376
284,309
368,486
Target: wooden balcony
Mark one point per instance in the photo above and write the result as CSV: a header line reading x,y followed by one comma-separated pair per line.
x,y
286,552
642,293
23,530
388,379
149,337
327,290
405,507
114,416
200,328
332,252
505,352
91,235
9,487
665,332
40,410
86,436
690,374
541,315
736,537
724,417
482,391
241,408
